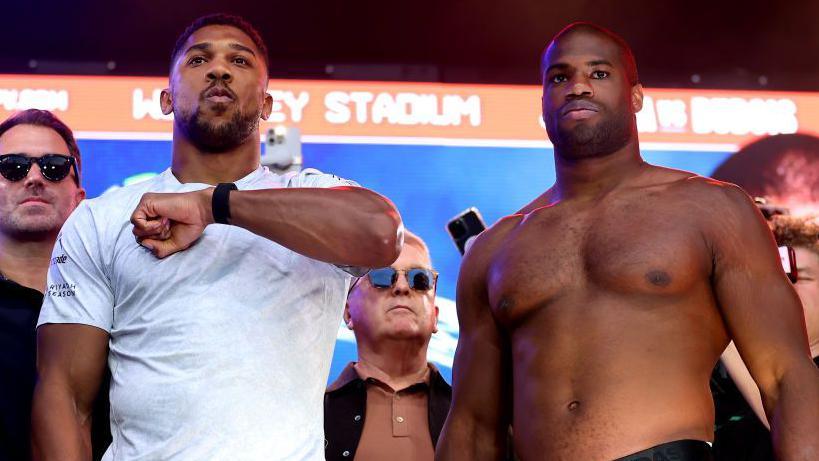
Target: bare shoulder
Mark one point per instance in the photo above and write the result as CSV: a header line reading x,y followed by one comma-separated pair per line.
x,y
722,210
483,250
472,295
718,195
544,199
721,196
489,240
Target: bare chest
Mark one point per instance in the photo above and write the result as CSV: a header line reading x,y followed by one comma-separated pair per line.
x,y
633,250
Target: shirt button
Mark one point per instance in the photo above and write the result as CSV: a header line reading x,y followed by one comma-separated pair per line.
x,y
357,417
400,419
345,454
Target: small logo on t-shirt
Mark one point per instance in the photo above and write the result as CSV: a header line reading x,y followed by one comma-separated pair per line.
x,y
61,259
62,290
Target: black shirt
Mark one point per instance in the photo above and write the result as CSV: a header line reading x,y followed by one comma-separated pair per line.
x,y
19,310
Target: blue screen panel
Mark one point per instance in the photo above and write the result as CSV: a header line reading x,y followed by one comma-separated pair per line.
x,y
428,184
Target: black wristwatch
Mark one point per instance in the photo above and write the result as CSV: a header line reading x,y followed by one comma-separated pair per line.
x,y
220,202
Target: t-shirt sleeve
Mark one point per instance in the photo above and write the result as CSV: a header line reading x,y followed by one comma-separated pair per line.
x,y
78,289
310,177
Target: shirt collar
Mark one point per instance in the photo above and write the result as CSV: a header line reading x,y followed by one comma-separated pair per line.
x,y
169,178
346,376
349,374
366,372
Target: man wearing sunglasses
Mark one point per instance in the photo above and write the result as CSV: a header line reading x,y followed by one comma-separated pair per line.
x,y
391,403
39,187
220,305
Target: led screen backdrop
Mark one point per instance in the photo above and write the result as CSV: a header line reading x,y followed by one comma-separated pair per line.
x,y
433,149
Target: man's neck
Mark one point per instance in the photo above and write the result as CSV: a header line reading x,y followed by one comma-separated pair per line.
x,y
26,261
190,165
400,360
592,178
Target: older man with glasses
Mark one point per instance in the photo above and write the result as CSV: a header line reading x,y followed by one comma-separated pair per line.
x,y
39,188
391,403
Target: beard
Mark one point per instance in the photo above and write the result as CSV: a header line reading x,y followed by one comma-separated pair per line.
x,y
586,140
210,136
33,224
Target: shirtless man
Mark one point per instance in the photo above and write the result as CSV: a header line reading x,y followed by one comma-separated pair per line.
x,y
591,320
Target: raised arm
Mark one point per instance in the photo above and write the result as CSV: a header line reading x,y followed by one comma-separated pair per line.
x,y
349,226
479,417
344,225
71,360
764,317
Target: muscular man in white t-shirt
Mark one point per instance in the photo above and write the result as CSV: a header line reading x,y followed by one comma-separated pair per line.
x,y
218,337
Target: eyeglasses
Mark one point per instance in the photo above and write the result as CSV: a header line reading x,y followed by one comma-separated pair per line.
x,y
417,279
54,167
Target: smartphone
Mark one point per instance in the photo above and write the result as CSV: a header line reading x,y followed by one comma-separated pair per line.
x,y
464,227
788,257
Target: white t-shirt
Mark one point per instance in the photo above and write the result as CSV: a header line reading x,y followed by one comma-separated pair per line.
x,y
218,352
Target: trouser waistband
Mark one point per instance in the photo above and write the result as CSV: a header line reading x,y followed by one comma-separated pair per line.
x,y
678,450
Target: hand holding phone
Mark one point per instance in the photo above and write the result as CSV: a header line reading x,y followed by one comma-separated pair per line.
x,y
464,227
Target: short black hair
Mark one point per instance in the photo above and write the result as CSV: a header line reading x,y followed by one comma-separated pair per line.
x,y
220,19
46,119
581,26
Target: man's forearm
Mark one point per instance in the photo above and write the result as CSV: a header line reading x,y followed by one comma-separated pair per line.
x,y
460,442
744,381
59,432
346,225
795,416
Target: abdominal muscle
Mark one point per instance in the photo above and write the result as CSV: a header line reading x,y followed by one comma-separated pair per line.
x,y
604,384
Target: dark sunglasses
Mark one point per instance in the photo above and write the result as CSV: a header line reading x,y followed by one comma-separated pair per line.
x,y
54,167
417,279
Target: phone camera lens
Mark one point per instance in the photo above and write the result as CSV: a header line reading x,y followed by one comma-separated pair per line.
x,y
457,228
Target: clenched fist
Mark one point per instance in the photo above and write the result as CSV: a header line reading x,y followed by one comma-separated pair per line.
x,y
169,222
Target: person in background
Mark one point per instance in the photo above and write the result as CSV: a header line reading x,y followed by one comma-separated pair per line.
x,y
784,171
39,188
391,403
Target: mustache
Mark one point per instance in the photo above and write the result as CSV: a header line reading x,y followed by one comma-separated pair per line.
x,y
38,193
579,104
217,88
